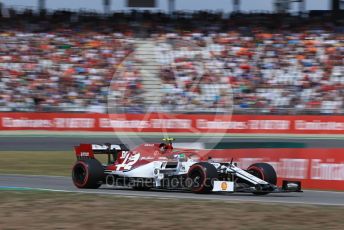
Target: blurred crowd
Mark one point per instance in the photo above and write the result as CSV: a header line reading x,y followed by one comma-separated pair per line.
x,y
58,65
253,63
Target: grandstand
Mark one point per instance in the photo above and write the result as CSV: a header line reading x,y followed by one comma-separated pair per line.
x,y
254,63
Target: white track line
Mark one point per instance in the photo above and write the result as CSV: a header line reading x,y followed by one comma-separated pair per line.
x,y
29,175
170,196
67,177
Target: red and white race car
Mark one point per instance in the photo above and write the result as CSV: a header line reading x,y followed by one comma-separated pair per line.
x,y
161,166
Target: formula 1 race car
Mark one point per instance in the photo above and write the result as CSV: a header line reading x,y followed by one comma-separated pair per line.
x,y
161,166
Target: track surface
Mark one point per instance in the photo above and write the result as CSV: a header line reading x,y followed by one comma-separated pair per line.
x,y
64,184
19,143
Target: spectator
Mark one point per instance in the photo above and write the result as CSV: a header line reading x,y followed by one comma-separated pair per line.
x,y
68,62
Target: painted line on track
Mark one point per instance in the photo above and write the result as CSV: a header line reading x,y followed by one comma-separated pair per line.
x,y
11,188
32,175
165,196
68,177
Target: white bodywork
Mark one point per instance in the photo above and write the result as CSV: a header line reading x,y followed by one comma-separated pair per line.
x,y
158,170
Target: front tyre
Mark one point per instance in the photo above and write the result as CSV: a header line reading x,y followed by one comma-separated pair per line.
x,y
202,176
263,171
88,173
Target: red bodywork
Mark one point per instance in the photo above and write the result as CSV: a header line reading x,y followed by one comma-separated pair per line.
x,y
147,153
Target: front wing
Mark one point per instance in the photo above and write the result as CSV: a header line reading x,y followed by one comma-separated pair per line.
x,y
229,186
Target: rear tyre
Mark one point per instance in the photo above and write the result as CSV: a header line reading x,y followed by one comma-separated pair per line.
x,y
88,173
265,172
201,176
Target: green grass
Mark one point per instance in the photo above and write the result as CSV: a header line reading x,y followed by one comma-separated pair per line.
x,y
51,210
57,163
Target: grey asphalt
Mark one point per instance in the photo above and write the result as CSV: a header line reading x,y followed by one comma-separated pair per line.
x,y
64,184
41,143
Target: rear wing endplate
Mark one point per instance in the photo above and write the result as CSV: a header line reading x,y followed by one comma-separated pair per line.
x,y
89,150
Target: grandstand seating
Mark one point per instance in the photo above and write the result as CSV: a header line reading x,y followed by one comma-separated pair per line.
x,y
250,63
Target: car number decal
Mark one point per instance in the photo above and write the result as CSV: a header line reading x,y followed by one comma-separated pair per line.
x,y
128,162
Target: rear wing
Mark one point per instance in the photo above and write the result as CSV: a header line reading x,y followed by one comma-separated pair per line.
x,y
89,150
